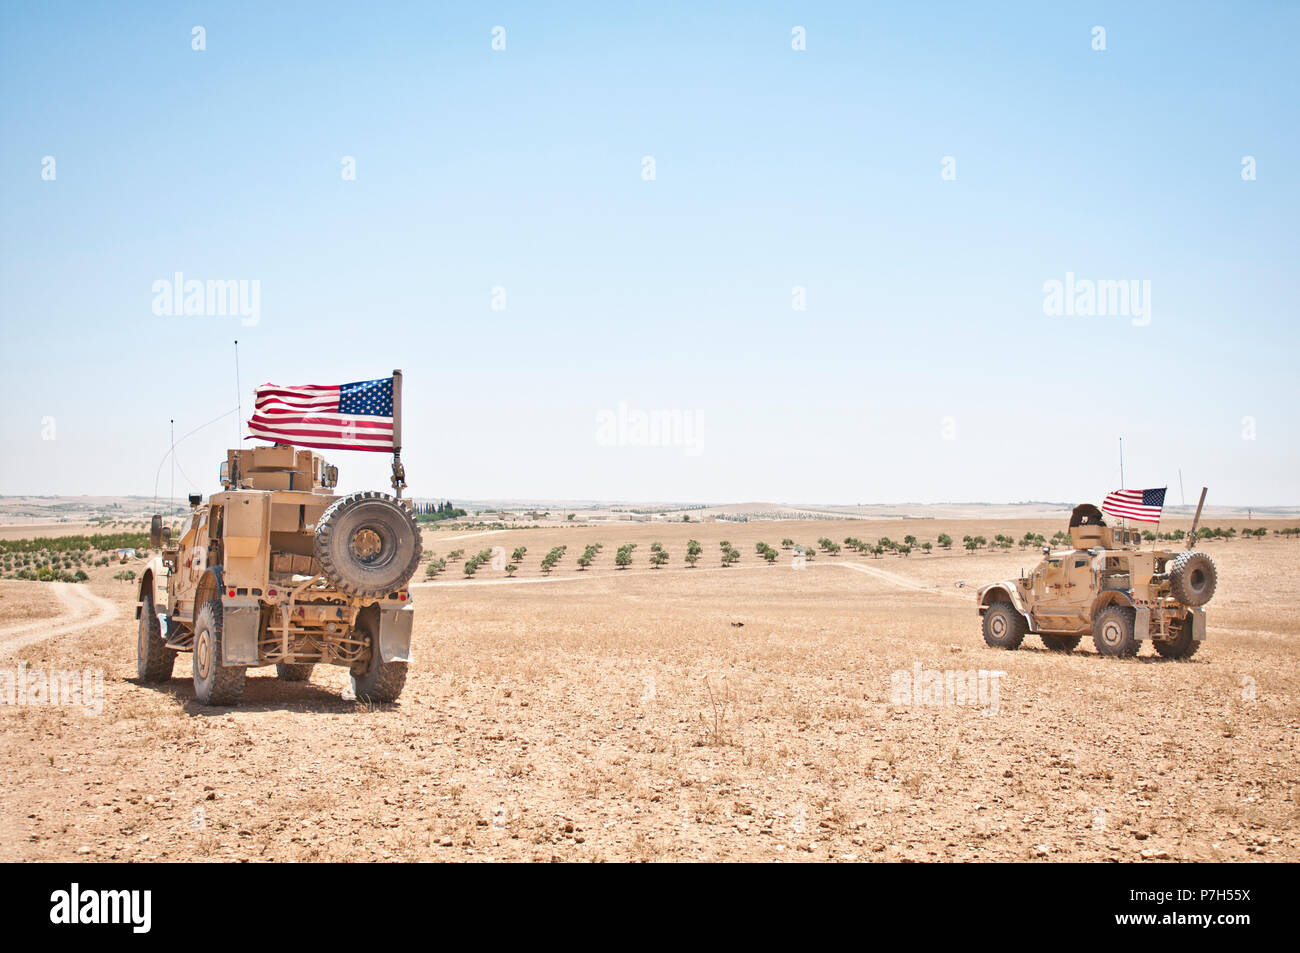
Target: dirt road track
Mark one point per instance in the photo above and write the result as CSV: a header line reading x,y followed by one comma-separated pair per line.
x,y
82,608
902,582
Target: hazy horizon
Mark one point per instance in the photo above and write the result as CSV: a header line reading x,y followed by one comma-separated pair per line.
x,y
580,504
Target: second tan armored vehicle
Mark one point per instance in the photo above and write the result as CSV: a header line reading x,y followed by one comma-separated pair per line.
x,y
1106,586
278,570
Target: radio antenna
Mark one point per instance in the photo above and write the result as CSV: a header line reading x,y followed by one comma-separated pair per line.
x,y
239,402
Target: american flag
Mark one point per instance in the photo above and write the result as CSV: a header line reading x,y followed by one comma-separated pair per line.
x,y
356,416
1144,506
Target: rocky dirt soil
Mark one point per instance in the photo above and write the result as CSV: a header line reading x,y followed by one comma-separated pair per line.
x,y
746,713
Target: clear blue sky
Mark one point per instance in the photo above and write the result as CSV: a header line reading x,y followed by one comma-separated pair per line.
x,y
522,169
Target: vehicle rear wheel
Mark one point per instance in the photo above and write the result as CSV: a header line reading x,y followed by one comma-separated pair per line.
x,y
294,671
1193,578
1181,645
153,660
1004,626
376,680
1112,632
1061,643
214,683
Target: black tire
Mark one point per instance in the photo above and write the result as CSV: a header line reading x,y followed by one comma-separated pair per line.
x,y
1004,626
376,680
1193,578
214,683
294,672
367,544
1182,645
153,660
1112,632
1060,643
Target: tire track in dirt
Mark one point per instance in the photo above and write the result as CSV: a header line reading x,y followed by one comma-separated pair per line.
x,y
902,582
83,608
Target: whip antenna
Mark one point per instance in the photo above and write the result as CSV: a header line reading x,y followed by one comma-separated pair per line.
x,y
239,405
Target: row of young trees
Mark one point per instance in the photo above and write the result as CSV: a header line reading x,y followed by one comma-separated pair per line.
x,y
65,544
659,555
59,565
550,559
478,559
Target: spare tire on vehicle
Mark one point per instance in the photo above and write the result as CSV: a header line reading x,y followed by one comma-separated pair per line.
x,y
368,544
1192,577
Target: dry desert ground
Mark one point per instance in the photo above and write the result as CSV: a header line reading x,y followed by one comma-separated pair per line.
x,y
741,713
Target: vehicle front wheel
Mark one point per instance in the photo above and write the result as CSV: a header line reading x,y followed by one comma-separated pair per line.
x,y
1004,626
153,660
214,683
1112,632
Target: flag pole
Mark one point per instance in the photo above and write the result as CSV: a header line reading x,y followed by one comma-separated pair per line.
x,y
1159,518
399,471
1124,519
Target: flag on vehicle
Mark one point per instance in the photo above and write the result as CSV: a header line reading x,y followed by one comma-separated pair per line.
x,y
1144,506
356,416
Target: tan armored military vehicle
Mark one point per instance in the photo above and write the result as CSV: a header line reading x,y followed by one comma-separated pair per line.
x,y
1106,585
277,570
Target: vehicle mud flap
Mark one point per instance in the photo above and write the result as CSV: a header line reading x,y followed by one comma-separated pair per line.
x,y
395,632
1142,623
239,634
1198,624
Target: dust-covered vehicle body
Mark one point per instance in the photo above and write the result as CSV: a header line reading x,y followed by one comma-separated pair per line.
x,y
278,570
1106,585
